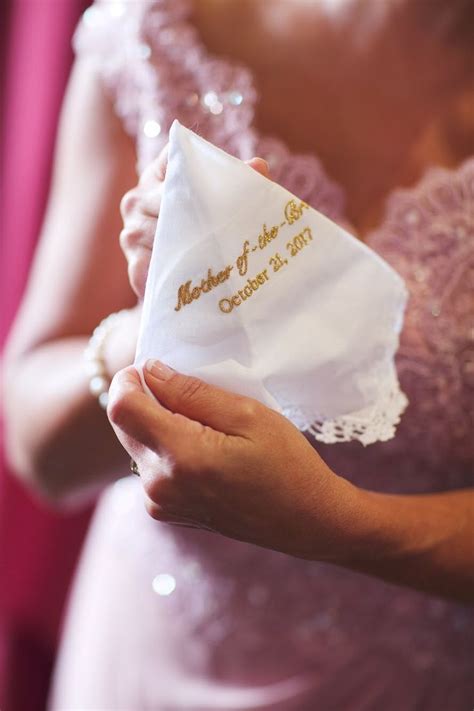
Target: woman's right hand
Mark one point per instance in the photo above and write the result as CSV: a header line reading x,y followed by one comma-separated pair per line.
x,y
140,208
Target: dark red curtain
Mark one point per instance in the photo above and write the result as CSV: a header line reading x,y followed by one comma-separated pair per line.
x,y
38,548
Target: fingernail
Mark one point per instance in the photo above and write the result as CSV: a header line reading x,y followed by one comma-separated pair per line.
x,y
159,370
262,160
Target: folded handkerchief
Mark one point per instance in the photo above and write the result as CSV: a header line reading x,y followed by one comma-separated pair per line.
x,y
251,289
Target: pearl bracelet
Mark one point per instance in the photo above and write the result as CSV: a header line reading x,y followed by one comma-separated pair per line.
x,y
100,380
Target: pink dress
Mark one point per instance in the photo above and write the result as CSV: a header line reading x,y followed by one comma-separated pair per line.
x,y
165,618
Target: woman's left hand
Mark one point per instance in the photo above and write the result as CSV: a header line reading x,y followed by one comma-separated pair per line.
x,y
215,460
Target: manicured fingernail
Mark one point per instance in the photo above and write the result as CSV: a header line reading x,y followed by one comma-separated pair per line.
x,y
159,370
262,160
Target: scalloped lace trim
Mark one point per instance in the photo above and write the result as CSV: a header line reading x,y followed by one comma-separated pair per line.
x,y
374,423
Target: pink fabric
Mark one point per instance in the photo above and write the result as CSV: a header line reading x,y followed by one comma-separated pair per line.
x,y
38,548
166,618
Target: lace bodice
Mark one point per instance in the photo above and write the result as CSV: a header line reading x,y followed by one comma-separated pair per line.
x,y
244,619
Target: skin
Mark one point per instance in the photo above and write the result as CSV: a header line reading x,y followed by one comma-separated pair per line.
x,y
215,460
57,437
382,88
218,461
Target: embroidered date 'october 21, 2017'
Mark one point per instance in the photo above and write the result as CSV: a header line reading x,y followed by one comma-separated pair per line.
x,y
189,292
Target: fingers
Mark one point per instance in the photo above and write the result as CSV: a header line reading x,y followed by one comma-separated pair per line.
x,y
150,434
138,202
220,409
156,170
165,445
147,195
136,240
138,266
136,233
140,208
130,411
134,415
260,165
151,201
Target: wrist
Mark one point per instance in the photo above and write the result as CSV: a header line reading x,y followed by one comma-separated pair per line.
x,y
120,345
361,527
333,526
357,526
353,527
110,348
381,527
420,540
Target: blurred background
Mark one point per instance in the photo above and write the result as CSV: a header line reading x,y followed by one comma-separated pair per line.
x,y
35,57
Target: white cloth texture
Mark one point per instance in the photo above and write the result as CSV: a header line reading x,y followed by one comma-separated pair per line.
x,y
252,290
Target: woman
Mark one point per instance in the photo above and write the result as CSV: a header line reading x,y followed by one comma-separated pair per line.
x,y
170,617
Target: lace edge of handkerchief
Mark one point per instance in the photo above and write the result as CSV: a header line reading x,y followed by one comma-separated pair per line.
x,y
375,423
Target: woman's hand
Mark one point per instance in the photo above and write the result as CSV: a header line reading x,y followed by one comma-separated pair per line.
x,y
140,208
212,459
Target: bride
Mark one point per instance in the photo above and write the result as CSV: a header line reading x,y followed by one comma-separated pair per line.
x,y
164,617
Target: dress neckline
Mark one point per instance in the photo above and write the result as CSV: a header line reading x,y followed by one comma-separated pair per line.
x,y
188,34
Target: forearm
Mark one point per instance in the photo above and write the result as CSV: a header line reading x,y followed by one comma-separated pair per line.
x,y
422,541
57,437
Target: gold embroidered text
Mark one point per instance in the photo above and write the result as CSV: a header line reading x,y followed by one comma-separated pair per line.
x,y
243,259
252,285
188,293
293,211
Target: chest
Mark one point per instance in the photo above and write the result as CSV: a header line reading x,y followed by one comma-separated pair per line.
x,y
375,114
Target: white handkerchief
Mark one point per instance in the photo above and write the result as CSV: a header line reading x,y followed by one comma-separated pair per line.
x,y
251,289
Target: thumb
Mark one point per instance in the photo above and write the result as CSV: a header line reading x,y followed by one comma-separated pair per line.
x,y
261,166
220,409
135,417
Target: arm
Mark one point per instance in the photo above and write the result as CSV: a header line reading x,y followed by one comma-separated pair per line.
x,y
234,466
283,496
57,438
425,541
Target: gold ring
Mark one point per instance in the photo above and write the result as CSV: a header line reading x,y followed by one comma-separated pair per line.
x,y
134,467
